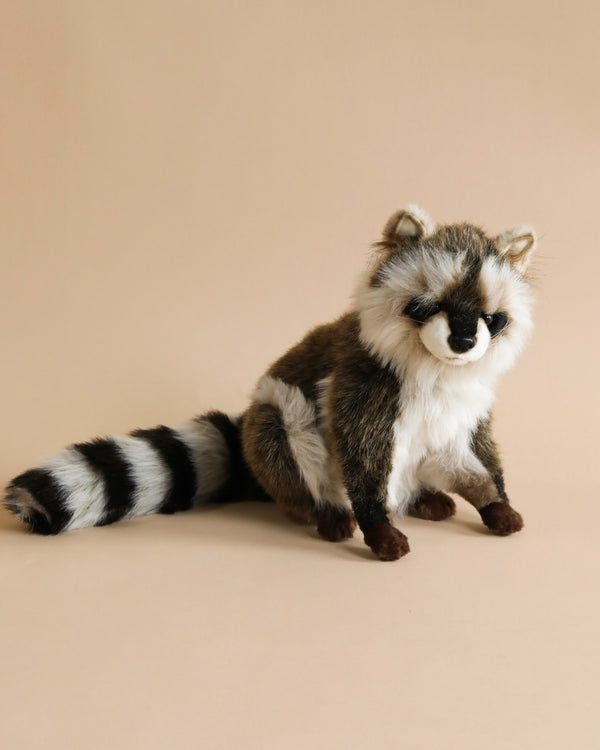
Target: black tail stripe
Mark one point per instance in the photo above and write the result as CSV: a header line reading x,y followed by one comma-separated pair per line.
x,y
104,456
176,456
241,481
49,494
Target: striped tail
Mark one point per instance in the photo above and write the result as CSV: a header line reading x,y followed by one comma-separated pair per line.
x,y
161,470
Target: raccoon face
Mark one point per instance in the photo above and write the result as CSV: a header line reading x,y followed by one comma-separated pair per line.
x,y
454,335
448,295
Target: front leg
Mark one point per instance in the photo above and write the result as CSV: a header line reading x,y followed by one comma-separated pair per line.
x,y
483,484
362,405
367,495
494,508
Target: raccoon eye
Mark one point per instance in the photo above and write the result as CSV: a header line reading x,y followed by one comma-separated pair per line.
x,y
420,309
496,323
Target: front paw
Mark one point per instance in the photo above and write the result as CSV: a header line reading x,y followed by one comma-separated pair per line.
x,y
501,518
387,542
433,506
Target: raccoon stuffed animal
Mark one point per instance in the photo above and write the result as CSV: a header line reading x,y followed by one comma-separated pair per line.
x,y
377,414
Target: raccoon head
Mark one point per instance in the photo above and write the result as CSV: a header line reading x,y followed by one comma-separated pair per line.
x,y
446,296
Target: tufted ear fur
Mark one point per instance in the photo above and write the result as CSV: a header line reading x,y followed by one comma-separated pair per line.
x,y
411,221
517,245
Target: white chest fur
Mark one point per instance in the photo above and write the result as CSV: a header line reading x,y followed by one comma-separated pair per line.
x,y
436,420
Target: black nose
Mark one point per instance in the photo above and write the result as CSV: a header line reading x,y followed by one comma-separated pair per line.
x,y
460,344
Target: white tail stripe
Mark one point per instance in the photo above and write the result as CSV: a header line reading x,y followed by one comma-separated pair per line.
x,y
209,454
84,488
151,476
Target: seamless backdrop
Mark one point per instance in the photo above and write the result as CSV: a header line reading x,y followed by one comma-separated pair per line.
x,y
185,189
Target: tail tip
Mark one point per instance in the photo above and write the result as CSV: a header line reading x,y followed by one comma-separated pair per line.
x,y
22,503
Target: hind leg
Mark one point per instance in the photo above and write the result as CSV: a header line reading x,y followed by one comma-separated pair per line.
x,y
336,520
287,454
336,523
269,456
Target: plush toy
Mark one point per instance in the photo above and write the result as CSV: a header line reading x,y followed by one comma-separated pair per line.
x,y
377,414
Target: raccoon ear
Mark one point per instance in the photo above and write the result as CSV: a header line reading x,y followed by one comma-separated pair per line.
x,y
411,221
517,245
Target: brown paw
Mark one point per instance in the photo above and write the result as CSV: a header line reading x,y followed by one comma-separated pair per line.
x,y
501,518
387,542
336,524
433,506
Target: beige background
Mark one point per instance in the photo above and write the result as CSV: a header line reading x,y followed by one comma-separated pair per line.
x,y
186,188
